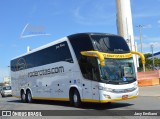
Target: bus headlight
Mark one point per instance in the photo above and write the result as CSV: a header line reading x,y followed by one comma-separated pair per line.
x,y
135,85
108,89
105,89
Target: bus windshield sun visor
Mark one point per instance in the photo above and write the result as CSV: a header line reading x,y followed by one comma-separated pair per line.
x,y
101,56
141,55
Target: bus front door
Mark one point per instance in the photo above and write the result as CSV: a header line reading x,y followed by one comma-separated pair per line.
x,y
86,90
95,91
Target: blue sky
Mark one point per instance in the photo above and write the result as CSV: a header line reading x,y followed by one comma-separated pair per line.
x,y
60,18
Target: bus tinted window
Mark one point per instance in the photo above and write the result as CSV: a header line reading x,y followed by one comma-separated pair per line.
x,y
107,43
52,54
87,65
80,43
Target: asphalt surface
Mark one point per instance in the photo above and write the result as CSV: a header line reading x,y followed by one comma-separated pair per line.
x,y
150,91
149,99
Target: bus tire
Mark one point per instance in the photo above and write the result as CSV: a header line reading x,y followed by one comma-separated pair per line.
x,y
23,97
29,96
76,100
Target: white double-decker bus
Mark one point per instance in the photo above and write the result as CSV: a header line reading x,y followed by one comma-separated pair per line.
x,y
84,67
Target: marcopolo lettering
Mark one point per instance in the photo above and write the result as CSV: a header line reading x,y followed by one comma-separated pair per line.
x,y
46,71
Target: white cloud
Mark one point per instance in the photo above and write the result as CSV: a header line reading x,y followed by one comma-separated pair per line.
x,y
147,42
158,23
91,19
136,38
148,45
151,39
146,14
98,14
147,39
147,26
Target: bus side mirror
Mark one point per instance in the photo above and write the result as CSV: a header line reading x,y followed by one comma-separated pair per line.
x,y
94,54
141,55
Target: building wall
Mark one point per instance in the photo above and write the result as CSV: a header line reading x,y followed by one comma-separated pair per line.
x,y
6,79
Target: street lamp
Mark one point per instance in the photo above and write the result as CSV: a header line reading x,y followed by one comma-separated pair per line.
x,y
140,34
152,46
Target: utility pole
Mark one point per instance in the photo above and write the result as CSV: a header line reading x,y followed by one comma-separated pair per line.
x,y
152,46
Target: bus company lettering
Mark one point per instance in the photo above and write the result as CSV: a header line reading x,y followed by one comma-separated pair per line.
x,y
46,71
117,55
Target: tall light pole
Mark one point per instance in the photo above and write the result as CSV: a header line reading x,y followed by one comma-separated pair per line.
x,y
140,36
125,25
152,46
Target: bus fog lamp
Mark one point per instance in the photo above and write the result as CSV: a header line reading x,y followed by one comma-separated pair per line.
x,y
107,96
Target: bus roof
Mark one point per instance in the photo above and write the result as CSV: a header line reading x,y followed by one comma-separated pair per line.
x,y
42,47
92,33
61,40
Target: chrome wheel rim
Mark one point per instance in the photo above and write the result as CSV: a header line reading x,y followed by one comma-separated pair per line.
x,y
23,96
75,99
29,97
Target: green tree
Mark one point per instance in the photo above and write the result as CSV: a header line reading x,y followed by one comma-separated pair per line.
x,y
149,63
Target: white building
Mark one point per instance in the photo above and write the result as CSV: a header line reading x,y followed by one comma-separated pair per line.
x,y
7,80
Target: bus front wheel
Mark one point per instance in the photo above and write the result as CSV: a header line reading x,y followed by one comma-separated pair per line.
x,y
75,99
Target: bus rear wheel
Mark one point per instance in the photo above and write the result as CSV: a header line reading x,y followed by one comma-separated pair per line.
x,y
75,99
23,97
29,96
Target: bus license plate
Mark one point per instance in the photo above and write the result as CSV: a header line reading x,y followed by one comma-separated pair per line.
x,y
124,97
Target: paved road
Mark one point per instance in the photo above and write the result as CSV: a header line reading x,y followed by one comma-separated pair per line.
x,y
150,91
143,102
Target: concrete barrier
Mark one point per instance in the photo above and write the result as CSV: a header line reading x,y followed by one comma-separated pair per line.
x,y
148,78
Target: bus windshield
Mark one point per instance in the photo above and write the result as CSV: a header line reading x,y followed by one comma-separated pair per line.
x,y
118,71
109,44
